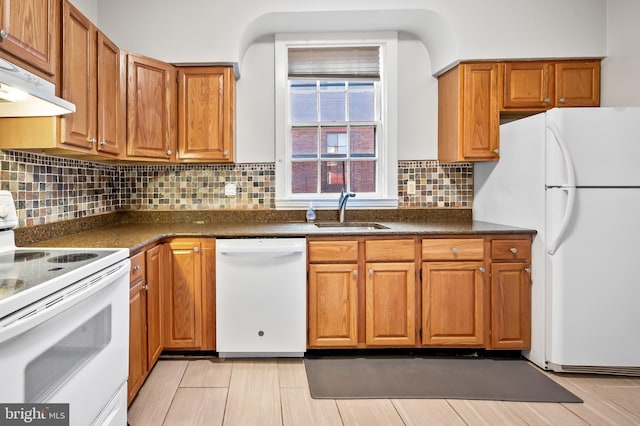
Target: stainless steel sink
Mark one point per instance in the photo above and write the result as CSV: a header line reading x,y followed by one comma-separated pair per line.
x,y
346,226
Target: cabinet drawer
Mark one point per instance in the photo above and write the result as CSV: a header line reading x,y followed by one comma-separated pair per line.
x,y
510,249
453,249
381,250
333,251
137,267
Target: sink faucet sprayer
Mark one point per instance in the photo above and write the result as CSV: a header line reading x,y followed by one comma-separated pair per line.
x,y
342,202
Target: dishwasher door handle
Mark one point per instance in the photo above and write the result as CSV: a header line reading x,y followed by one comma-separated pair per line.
x,y
262,252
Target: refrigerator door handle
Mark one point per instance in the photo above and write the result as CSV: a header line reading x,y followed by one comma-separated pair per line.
x,y
570,188
566,220
566,157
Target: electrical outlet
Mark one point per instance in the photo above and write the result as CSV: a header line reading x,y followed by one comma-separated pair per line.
x,y
411,187
230,190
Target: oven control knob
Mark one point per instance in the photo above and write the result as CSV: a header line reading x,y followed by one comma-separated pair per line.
x,y
4,210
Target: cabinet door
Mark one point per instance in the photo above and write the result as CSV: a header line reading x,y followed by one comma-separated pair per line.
x,y
453,303
510,306
151,91
205,113
153,290
182,295
333,305
527,85
78,77
137,340
578,83
481,117
111,107
30,32
390,304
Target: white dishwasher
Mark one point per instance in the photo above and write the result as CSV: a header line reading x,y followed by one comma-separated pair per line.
x,y
261,300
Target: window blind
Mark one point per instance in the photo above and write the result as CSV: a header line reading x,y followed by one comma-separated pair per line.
x,y
362,62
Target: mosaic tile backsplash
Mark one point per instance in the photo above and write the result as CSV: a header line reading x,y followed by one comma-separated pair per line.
x,y
51,189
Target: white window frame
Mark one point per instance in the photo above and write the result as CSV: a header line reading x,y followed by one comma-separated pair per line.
x,y
387,170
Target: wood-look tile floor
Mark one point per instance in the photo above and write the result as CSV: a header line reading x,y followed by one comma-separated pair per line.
x,y
248,392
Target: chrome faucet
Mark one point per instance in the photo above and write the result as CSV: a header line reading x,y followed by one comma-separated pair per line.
x,y
342,202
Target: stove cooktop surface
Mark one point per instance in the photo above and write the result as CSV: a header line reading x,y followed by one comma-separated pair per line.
x,y
32,273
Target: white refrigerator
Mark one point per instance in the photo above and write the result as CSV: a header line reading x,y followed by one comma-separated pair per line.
x,y
573,175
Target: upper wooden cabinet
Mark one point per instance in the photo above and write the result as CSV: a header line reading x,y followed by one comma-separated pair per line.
x,y
206,103
93,78
468,115
29,31
539,85
151,117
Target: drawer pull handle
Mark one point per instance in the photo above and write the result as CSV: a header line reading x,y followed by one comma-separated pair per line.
x,y
513,250
455,249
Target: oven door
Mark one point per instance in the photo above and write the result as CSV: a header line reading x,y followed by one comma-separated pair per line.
x,y
71,347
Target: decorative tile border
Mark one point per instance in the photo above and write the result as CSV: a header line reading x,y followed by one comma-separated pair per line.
x,y
50,189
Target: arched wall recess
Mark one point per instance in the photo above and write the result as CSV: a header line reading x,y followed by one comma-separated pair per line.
x,y
431,28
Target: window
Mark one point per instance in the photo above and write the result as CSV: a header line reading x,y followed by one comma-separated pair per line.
x,y
335,121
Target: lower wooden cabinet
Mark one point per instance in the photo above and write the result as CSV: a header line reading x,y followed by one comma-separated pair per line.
x,y
511,294
390,296
333,305
453,303
145,344
362,300
188,294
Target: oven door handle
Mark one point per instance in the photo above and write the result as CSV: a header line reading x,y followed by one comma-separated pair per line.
x,y
30,316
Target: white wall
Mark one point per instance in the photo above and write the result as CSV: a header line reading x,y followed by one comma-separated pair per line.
x,y
219,30
621,68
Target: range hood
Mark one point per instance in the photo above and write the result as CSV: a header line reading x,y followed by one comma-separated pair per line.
x,y
24,94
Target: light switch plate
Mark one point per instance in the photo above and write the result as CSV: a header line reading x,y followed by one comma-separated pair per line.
x,y
230,190
411,187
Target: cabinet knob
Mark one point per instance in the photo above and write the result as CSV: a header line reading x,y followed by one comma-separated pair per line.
x,y
496,151
145,287
196,250
455,249
546,100
103,142
168,152
370,271
3,35
513,250
226,152
355,272
482,269
562,100
136,268
527,270
93,140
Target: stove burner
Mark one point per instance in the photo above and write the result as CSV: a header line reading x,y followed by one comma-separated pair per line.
x,y
72,257
23,256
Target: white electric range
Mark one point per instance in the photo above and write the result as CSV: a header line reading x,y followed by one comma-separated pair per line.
x,y
64,326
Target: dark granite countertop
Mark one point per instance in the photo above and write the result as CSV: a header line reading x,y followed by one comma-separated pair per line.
x,y
137,235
